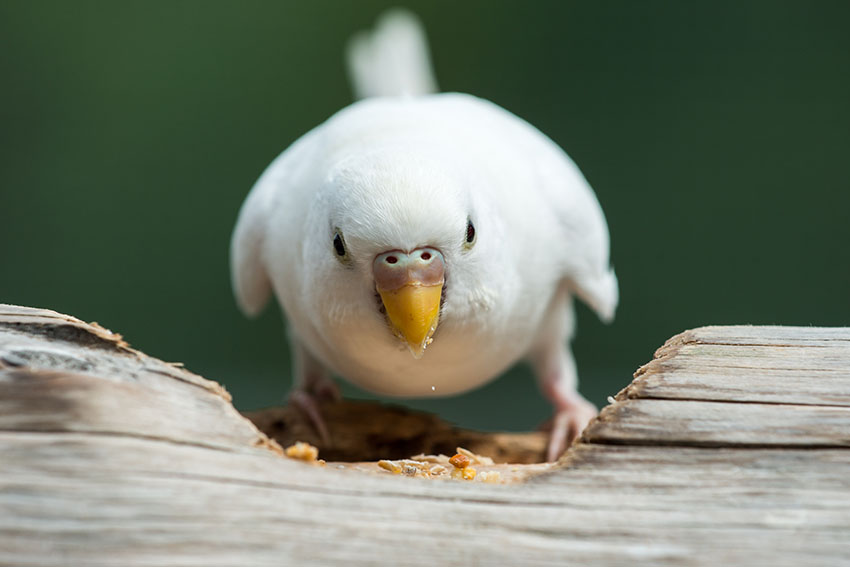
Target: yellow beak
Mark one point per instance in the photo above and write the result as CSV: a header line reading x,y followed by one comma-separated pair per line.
x,y
414,311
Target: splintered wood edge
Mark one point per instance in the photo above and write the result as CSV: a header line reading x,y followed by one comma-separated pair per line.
x,y
737,386
55,325
113,369
733,336
17,316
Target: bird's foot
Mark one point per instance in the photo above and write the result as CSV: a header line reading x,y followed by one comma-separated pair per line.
x,y
307,401
570,420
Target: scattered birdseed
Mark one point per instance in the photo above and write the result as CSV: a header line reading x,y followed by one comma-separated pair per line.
x,y
462,470
407,467
391,466
442,467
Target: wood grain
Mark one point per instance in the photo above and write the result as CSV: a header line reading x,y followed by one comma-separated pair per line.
x,y
109,457
720,424
790,365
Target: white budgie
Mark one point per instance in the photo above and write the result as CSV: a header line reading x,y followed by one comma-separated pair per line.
x,y
420,244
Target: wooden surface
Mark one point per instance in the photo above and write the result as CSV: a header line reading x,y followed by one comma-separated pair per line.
x,y
731,447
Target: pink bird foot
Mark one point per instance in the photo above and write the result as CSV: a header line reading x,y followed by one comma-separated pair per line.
x,y
569,421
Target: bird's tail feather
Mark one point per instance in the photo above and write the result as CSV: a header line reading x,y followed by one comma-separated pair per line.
x,y
601,293
392,59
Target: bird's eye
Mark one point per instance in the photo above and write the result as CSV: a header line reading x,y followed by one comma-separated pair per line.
x,y
470,234
339,247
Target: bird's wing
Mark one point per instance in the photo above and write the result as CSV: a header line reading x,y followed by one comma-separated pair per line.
x,y
392,59
278,191
583,231
248,273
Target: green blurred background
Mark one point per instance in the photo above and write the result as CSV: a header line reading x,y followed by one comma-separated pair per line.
x,y
716,135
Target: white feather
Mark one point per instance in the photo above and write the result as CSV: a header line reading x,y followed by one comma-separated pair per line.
x,y
251,285
392,60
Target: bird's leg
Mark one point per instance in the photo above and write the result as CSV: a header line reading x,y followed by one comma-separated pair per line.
x,y
312,386
572,410
556,373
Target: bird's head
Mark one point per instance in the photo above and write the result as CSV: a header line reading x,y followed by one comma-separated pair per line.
x,y
399,228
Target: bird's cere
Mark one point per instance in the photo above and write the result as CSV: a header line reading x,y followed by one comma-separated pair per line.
x,y
411,287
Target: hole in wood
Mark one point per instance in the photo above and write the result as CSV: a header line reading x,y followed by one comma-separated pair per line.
x,y
370,431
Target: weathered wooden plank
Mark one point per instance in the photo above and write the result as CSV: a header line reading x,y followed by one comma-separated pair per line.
x,y
774,368
32,400
110,457
58,373
697,423
600,477
149,503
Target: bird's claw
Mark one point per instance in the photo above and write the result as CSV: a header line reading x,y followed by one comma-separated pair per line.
x,y
567,425
308,404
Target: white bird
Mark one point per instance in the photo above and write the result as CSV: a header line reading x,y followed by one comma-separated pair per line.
x,y
421,244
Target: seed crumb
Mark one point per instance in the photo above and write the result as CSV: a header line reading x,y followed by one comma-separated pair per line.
x,y
466,473
391,466
438,470
303,452
490,476
459,461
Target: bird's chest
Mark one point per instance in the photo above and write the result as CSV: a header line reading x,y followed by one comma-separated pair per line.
x,y
452,364
468,349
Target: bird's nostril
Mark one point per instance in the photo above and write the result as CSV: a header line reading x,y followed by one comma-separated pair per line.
x,y
426,256
391,259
